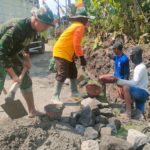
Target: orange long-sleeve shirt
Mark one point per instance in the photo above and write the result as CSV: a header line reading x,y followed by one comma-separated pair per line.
x,y
69,43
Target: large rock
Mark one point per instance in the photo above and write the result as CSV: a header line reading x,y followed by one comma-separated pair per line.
x,y
103,105
106,131
69,108
113,143
136,138
90,145
87,118
146,147
114,121
90,133
80,129
107,112
90,102
113,127
103,119
74,118
98,127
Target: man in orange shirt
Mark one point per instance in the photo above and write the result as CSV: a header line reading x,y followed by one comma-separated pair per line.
x,y
65,50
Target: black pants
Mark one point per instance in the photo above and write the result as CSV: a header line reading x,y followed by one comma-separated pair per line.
x,y
65,69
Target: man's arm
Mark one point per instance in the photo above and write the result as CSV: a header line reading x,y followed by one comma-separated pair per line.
x,y
77,38
136,78
26,62
7,43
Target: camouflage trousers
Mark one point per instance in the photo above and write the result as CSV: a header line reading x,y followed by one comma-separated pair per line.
x,y
26,84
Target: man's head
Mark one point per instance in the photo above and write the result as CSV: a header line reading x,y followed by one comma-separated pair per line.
x,y
135,54
42,19
117,48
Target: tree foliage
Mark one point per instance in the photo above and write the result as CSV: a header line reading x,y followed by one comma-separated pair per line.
x,y
125,16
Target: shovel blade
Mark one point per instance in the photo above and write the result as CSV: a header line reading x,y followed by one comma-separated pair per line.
x,y
14,109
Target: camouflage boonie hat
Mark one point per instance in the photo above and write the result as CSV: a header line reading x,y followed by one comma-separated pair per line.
x,y
44,14
80,13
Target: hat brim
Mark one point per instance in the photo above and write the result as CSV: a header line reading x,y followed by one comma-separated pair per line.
x,y
50,24
78,17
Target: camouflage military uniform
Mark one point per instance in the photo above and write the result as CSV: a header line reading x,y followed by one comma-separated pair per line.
x,y
15,36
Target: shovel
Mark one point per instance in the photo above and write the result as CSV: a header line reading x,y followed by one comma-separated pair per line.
x,y
14,108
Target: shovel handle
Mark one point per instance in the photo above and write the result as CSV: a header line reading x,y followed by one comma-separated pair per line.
x,y
15,85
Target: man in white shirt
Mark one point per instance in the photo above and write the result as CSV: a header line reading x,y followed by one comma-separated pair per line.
x,y
136,89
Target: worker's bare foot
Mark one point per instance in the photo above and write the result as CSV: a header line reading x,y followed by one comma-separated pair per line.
x,y
35,113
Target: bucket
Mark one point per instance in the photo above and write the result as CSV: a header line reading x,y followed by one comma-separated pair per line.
x,y
53,111
93,90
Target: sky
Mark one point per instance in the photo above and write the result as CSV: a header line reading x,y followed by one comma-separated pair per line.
x,y
53,6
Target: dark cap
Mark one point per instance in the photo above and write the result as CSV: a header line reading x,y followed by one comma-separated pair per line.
x,y
43,14
134,51
117,45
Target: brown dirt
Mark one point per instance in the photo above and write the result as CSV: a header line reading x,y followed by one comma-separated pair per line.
x,y
38,133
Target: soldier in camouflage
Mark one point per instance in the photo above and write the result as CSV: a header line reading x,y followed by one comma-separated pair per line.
x,y
15,36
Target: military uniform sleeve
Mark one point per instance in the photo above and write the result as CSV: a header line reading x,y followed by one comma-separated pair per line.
x,y
77,38
8,42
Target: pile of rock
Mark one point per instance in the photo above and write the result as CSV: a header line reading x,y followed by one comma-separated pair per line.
x,y
97,123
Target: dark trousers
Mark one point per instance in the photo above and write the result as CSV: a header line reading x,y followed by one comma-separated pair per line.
x,y
65,69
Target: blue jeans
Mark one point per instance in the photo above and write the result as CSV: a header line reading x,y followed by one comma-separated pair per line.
x,y
139,96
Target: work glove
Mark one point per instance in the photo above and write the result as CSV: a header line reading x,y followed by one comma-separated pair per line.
x,y
82,61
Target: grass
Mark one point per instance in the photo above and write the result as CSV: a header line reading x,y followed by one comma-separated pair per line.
x,y
124,129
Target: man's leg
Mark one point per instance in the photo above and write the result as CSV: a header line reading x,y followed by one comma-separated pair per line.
x,y
62,66
140,96
28,96
128,100
73,80
26,89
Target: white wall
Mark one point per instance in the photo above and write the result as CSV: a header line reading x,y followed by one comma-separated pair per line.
x,y
14,9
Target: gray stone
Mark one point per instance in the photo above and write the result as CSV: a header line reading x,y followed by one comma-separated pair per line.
x,y
98,127
90,133
115,121
97,119
80,129
90,145
136,138
65,119
146,147
106,131
113,143
103,119
103,105
74,118
70,108
95,110
87,118
113,127
90,102
107,112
